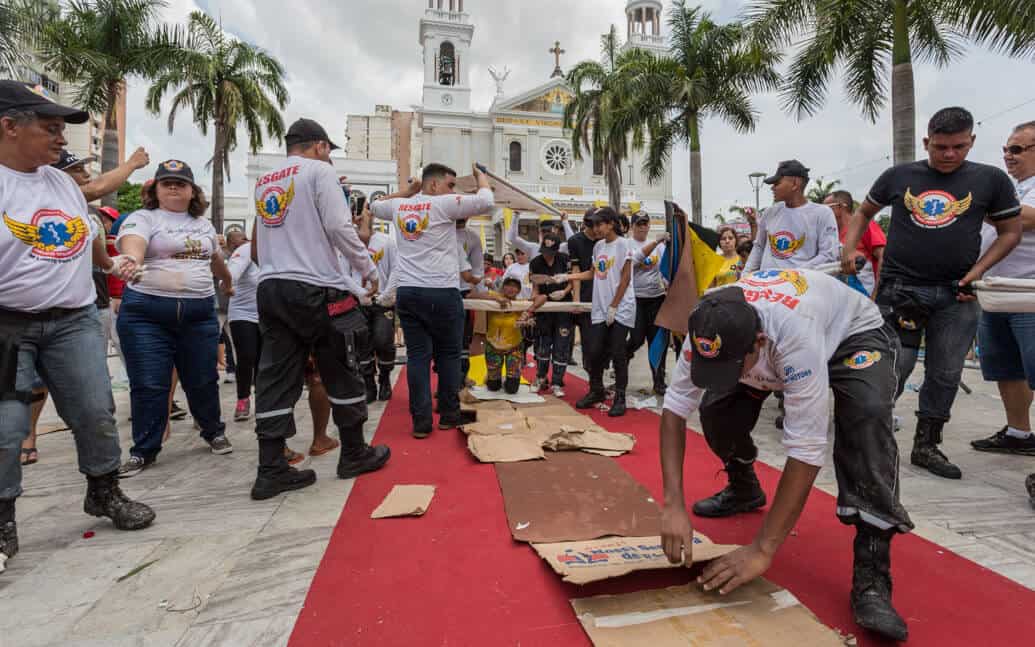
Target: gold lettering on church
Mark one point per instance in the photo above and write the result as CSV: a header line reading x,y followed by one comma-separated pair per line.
x,y
550,123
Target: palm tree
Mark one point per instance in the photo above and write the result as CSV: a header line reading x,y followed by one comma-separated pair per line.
x,y
711,71
100,44
600,117
820,189
865,36
21,22
226,82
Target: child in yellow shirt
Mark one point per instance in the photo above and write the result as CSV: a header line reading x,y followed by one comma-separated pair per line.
x,y
503,341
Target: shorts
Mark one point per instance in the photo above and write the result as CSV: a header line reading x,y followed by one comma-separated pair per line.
x,y
1006,345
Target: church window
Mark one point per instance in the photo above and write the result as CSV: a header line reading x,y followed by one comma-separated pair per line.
x,y
557,157
447,64
515,157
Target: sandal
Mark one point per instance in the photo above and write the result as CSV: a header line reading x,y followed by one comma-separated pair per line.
x,y
293,457
314,451
30,455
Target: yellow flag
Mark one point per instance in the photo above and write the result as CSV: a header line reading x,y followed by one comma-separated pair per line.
x,y
600,204
482,234
634,207
707,263
507,215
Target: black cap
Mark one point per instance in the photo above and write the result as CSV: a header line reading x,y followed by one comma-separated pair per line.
x,y
304,131
640,216
788,168
551,244
70,160
15,95
174,169
547,224
722,331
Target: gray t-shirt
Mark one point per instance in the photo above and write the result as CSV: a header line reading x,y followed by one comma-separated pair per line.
x,y
1020,264
794,237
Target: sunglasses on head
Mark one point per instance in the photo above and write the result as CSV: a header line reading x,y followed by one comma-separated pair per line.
x,y
1017,149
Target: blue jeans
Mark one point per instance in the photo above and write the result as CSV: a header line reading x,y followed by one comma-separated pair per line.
x,y
159,333
1006,342
68,354
948,326
431,321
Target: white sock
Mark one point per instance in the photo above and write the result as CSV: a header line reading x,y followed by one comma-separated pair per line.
x,y
1017,433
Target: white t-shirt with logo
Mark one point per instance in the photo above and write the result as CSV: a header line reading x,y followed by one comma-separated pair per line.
x,y
806,315
425,233
45,242
608,261
795,237
469,246
521,273
647,279
303,223
243,304
1020,263
383,253
179,253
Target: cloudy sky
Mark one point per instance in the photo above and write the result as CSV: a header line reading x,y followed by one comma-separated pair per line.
x,y
344,57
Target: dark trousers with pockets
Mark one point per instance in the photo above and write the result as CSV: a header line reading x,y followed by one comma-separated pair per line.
x,y
646,312
381,324
553,342
602,339
865,452
431,323
295,323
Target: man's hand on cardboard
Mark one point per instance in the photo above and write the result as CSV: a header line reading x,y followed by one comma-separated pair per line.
x,y
730,571
677,533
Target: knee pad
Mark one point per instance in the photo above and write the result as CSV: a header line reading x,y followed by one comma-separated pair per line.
x,y
512,384
494,385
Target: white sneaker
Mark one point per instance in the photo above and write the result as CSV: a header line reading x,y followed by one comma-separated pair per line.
x,y
558,391
230,378
536,385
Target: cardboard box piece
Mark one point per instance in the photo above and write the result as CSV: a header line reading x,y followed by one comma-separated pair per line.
x,y
405,501
498,423
581,562
505,448
758,613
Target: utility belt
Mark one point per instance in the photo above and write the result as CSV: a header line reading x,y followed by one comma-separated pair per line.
x,y
340,303
12,326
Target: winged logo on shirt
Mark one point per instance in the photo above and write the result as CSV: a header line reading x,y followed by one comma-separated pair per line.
x,y
272,207
412,224
51,233
784,244
377,256
603,265
936,209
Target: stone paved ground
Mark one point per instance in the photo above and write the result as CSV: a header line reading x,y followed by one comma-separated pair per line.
x,y
228,571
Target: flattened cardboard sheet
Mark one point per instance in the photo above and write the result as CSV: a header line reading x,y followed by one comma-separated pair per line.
x,y
574,496
758,613
580,562
505,448
405,501
498,423
523,396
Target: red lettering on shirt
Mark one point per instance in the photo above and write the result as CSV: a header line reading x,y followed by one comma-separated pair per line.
x,y
277,176
423,206
773,297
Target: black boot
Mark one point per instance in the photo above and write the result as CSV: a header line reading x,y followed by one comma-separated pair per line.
x,y
8,532
385,392
371,388
104,498
871,584
275,475
591,399
618,405
456,420
743,493
353,461
926,453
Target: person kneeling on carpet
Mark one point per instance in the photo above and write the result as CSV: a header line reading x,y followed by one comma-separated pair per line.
x,y
503,339
803,333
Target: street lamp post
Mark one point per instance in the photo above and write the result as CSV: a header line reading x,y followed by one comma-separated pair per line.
x,y
756,183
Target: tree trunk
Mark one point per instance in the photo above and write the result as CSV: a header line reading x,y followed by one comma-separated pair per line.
x,y
110,150
614,182
903,96
218,155
696,211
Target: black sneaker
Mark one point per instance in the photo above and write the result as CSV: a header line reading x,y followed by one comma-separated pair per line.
x,y
1004,443
371,387
176,412
134,466
8,542
591,399
456,420
271,482
104,498
353,462
385,392
220,445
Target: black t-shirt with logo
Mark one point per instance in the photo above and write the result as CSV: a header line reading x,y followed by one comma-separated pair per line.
x,y
580,247
935,231
561,265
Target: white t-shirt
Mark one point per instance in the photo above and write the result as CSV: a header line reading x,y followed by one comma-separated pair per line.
x,y
647,279
530,248
520,272
383,253
179,253
1020,263
45,242
469,246
806,315
608,261
798,237
243,305
425,233
304,221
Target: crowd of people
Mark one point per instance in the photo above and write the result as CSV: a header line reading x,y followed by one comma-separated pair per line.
x,y
318,289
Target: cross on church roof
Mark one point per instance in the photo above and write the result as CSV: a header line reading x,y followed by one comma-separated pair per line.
x,y
557,51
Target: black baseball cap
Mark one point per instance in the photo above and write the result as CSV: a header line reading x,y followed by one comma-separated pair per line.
x,y
640,216
788,168
722,330
304,131
174,169
69,160
551,244
15,95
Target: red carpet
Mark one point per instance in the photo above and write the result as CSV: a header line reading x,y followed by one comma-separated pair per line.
x,y
455,577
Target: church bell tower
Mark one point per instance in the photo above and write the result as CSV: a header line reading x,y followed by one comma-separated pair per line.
x,y
445,35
